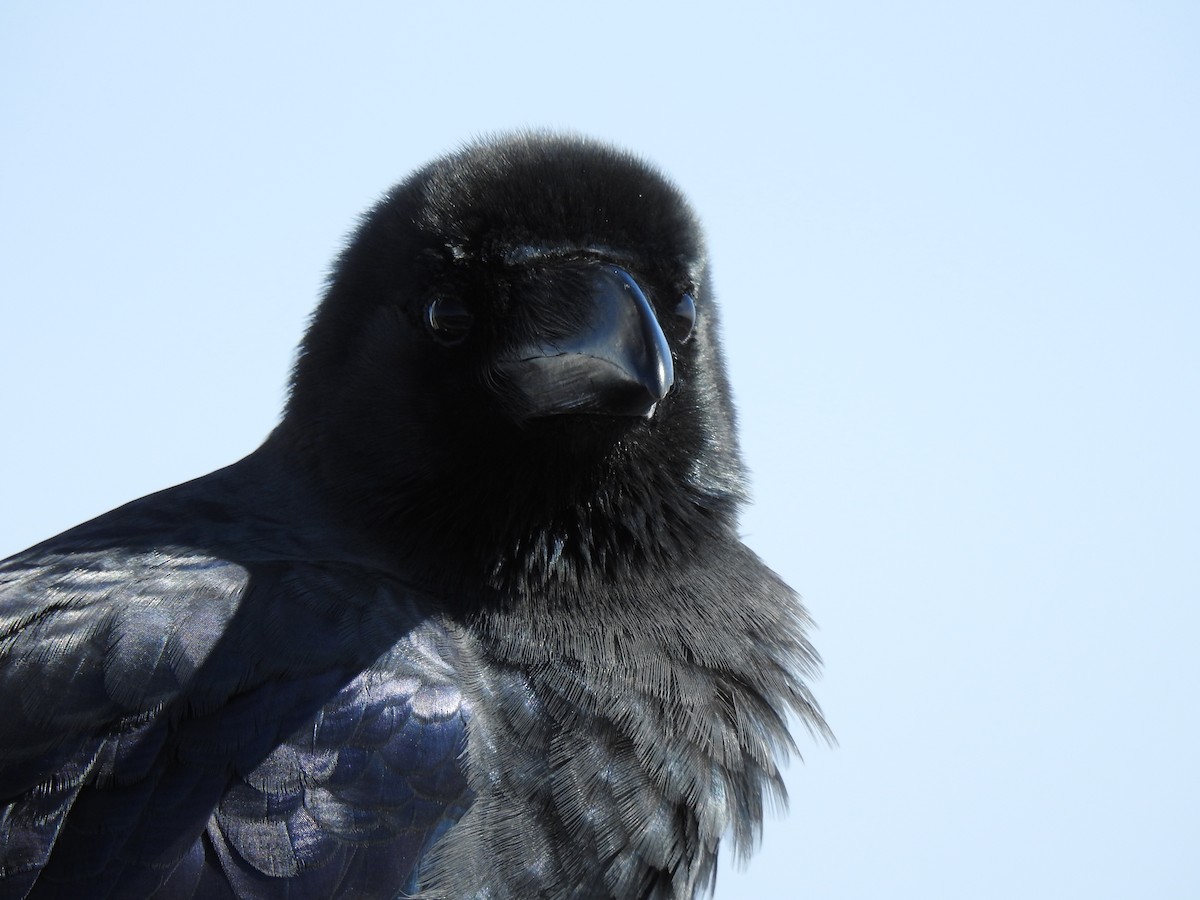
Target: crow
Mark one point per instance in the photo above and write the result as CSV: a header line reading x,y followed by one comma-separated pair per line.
x,y
475,621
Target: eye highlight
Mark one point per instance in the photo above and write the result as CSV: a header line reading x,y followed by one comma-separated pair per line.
x,y
685,315
449,320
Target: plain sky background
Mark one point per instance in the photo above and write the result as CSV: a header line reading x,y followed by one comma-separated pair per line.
x,y
957,247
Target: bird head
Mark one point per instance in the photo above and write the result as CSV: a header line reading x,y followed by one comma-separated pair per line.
x,y
516,368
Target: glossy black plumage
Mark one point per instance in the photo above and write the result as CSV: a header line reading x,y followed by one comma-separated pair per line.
x,y
474,621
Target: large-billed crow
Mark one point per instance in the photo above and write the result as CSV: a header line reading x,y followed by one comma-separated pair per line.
x,y
475,620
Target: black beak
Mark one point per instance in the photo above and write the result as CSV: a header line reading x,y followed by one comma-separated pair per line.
x,y
615,362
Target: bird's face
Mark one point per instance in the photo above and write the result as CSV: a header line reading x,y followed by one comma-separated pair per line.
x,y
527,324
578,336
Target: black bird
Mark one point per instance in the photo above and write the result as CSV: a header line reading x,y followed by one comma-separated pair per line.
x,y
474,621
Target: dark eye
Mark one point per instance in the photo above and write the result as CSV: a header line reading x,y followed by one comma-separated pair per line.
x,y
685,314
449,320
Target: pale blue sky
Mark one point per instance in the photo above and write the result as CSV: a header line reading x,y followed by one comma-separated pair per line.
x,y
958,249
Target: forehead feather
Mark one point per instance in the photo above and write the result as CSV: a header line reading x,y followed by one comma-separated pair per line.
x,y
530,191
